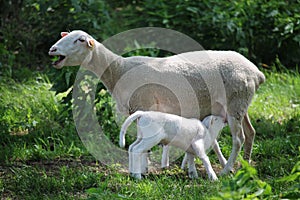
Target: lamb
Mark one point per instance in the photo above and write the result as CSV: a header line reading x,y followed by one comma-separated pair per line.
x,y
192,84
188,134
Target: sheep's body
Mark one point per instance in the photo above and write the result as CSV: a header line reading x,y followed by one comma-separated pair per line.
x,y
201,69
192,85
188,134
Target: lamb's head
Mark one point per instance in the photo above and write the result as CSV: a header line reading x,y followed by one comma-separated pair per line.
x,y
72,49
214,123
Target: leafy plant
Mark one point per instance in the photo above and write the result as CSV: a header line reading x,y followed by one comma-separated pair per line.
x,y
245,185
294,191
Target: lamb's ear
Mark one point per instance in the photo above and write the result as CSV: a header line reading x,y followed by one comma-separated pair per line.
x,y
63,34
211,121
91,43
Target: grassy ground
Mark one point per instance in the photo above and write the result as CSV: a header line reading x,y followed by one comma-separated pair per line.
x,y
42,157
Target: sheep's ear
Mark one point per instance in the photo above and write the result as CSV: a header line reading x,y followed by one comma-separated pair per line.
x,y
91,43
63,34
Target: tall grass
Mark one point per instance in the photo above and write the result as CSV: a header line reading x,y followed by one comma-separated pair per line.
x,y
33,124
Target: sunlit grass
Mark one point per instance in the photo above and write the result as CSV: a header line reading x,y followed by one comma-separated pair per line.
x,y
33,124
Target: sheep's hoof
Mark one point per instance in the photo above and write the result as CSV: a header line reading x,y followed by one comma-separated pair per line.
x,y
225,172
145,171
165,168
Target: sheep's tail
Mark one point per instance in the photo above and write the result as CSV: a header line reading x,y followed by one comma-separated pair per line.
x,y
261,78
126,124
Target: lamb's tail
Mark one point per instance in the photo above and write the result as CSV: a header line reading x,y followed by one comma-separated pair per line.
x,y
126,124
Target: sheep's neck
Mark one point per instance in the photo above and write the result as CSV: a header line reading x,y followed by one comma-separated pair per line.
x,y
106,65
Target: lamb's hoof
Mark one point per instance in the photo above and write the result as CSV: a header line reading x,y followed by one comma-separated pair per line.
x,y
193,175
137,176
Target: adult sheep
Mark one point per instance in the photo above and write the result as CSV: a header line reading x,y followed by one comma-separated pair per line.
x,y
219,83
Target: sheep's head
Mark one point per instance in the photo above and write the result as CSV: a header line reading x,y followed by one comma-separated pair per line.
x,y
72,48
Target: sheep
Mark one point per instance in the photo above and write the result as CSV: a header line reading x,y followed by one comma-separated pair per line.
x,y
192,84
188,134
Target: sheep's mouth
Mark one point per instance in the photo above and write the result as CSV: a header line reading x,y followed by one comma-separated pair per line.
x,y
58,59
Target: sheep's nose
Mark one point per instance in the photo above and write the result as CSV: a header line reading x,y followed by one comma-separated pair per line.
x,y
52,49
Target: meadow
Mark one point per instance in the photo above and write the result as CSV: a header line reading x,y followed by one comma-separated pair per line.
x,y
42,157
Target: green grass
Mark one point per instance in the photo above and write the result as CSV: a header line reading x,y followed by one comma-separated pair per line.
x,y
275,113
33,123
42,157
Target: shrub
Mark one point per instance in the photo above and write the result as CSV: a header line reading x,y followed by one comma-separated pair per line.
x,y
245,185
260,30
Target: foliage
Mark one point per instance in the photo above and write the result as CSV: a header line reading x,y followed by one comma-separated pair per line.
x,y
294,191
44,21
260,30
245,185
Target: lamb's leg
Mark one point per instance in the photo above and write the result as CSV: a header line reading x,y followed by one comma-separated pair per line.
x,y
139,152
238,139
130,150
184,161
144,156
165,157
198,147
191,165
218,151
130,158
249,137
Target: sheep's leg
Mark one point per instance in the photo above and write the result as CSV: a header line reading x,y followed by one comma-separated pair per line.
x,y
198,147
249,137
238,139
139,152
184,161
165,157
218,151
191,165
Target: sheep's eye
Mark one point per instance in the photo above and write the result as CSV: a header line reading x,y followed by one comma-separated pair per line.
x,y
81,39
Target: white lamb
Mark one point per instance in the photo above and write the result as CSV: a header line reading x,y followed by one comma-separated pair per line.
x,y
193,84
160,128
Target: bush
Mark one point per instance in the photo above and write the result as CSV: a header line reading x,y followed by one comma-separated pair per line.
x,y
260,30
29,40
